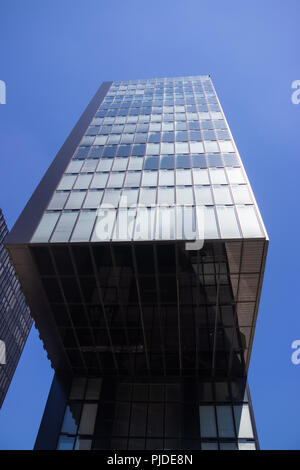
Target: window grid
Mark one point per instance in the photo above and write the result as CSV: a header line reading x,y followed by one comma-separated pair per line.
x,y
192,109
135,431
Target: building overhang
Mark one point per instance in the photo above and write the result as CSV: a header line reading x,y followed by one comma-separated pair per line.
x,y
144,307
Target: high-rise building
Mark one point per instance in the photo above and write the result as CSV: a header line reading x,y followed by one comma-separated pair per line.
x,y
142,254
15,319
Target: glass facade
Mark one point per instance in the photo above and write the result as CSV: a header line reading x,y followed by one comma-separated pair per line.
x,y
152,143
148,253
15,319
106,414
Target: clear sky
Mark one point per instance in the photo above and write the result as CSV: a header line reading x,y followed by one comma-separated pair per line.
x,y
55,54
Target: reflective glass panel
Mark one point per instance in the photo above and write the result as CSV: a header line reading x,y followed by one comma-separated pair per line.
x,y
222,195
247,446
92,199
166,178
115,180
235,175
203,195
225,421
167,148
249,221
83,181
151,163
167,162
100,140
165,223
196,147
78,388
147,196
152,149
226,146
210,224
211,146
135,164
88,418
120,164
166,196
104,225
227,221
58,200
83,443
99,180
149,178
64,227
183,161
182,147
84,226
129,196
144,226
217,176
67,182
89,165
184,195
183,177
74,166
75,200
241,194
45,227
111,197
200,176
133,179
207,421
243,421
105,164
65,443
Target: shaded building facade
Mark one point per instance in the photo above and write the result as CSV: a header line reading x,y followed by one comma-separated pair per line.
x,y
15,319
143,264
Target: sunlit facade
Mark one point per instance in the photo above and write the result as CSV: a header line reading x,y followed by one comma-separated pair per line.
x,y
146,253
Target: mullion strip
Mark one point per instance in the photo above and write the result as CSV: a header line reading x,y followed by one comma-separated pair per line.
x,y
178,311
84,306
121,307
216,318
159,307
140,307
103,308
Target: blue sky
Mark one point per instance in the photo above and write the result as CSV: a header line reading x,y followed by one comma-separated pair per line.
x,y
54,55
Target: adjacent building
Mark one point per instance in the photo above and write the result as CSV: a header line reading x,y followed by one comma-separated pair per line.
x,y
142,255
15,319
